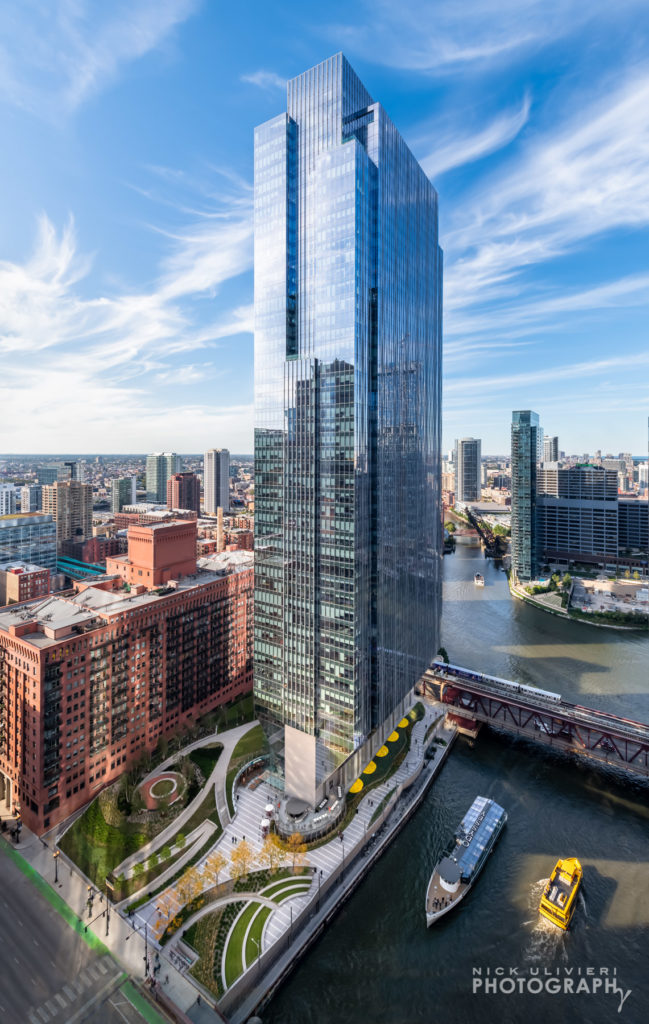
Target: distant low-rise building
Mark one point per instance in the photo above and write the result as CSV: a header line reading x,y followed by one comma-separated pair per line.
x,y
22,581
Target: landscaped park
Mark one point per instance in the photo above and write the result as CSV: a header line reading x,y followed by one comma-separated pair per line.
x,y
208,883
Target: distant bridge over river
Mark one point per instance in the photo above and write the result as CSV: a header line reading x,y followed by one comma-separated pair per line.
x,y
542,716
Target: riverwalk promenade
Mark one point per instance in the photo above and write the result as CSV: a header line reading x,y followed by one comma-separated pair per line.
x,y
335,868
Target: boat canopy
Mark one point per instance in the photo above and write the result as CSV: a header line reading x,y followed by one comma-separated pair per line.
x,y
475,833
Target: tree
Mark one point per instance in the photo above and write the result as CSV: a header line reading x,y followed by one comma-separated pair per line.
x,y
189,885
214,866
627,574
242,858
137,869
272,853
566,581
555,580
180,840
137,802
153,861
451,527
443,654
296,848
165,852
636,574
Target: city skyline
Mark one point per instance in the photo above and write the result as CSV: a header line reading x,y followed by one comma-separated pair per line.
x,y
126,269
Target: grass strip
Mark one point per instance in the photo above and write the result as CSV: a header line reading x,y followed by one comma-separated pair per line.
x,y
255,934
234,965
251,745
55,900
297,890
141,1004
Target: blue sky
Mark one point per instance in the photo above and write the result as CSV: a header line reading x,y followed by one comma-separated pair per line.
x,y
125,209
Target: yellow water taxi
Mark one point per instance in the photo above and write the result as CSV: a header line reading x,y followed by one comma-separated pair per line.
x,y
559,897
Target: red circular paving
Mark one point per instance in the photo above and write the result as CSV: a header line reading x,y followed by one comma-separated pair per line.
x,y
152,790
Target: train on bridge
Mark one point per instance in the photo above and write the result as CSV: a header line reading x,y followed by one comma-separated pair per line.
x,y
540,715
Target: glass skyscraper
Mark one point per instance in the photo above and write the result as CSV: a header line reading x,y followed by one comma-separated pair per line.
x,y
348,309
527,446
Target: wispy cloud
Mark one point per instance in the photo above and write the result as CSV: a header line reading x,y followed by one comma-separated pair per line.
x,y
585,178
121,349
54,56
265,80
447,37
452,150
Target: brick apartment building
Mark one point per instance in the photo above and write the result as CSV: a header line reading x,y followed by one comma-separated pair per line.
x,y
89,681
21,581
184,491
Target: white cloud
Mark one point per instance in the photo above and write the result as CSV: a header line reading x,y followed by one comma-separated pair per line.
x,y
450,37
54,56
73,358
265,80
451,151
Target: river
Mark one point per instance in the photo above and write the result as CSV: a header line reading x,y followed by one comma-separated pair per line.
x,y
378,963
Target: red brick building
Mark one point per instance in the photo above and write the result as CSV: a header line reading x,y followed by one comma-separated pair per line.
x,y
88,682
184,491
20,581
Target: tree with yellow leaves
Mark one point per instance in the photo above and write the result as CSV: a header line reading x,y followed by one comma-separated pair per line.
x,y
296,849
214,866
272,853
242,858
189,885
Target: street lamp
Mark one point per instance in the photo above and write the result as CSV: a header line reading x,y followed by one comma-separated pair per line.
x,y
56,856
258,945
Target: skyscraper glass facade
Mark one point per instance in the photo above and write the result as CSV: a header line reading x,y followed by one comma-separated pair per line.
x,y
527,438
348,298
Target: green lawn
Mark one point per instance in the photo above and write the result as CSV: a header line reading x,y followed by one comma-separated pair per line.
x,y
97,847
205,758
256,931
253,744
284,894
234,950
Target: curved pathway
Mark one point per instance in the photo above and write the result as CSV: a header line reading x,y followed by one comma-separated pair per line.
x,y
228,740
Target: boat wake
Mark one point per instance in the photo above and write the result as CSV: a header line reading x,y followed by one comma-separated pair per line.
x,y
545,941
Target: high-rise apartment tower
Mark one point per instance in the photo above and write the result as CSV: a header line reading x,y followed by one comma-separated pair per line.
x,y
159,467
216,480
526,449
550,449
348,301
468,478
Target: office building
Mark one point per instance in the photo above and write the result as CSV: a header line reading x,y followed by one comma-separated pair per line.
x,y
31,498
159,467
110,671
526,437
53,472
70,505
29,537
123,491
348,296
577,514
216,480
21,581
468,477
7,499
550,449
184,492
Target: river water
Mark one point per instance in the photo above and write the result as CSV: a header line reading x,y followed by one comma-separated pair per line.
x,y
378,963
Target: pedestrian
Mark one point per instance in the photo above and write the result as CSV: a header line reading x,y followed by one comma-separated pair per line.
x,y
166,979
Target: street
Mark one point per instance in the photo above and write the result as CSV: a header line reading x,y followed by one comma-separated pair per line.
x,y
49,973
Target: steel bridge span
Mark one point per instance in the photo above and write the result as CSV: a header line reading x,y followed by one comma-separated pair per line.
x,y
542,716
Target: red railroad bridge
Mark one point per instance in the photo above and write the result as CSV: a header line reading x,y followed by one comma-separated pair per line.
x,y
542,716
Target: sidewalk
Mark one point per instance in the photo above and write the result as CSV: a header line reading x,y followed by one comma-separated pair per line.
x,y
124,943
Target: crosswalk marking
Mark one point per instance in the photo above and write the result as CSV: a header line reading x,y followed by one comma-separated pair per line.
x,y
102,967
60,1000
70,993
